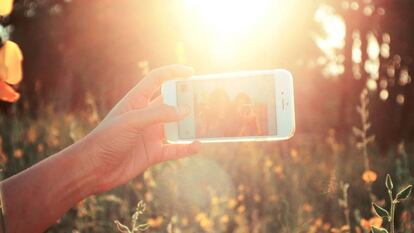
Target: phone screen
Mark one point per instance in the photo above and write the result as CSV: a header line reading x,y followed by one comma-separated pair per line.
x,y
228,107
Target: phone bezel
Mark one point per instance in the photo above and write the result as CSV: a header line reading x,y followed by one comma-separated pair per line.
x,y
284,100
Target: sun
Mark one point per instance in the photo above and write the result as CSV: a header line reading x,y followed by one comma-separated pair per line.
x,y
229,17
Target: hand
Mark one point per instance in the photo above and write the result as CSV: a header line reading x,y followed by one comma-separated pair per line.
x,y
130,138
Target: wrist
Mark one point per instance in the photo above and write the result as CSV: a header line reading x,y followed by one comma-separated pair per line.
x,y
83,175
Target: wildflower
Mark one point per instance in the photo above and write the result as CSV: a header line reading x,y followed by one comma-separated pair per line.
x,y
268,163
294,154
307,207
231,203
40,148
10,69
6,7
200,216
369,176
214,200
206,224
184,221
155,222
241,209
18,153
374,221
224,219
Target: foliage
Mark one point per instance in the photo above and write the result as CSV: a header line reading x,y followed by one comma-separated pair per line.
x,y
383,213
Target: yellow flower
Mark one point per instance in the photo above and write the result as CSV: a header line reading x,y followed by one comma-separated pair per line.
x,y
200,216
231,203
206,224
214,200
369,176
6,7
184,221
224,219
268,163
294,154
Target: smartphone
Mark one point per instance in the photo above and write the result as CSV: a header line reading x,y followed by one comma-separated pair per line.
x,y
231,107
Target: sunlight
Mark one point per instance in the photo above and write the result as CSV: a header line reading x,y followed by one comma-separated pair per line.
x,y
229,17
229,22
333,27
332,39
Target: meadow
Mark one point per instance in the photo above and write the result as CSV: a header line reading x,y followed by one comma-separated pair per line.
x,y
354,103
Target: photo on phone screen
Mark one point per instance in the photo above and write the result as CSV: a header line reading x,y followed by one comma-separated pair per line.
x,y
228,107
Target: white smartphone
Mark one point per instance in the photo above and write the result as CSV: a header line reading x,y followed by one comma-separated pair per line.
x,y
230,107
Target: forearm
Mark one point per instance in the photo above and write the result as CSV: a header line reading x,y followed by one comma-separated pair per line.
x,y
37,197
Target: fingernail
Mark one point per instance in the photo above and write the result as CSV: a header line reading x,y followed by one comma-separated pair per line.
x,y
182,110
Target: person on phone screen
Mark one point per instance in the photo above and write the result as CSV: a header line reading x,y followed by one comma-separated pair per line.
x,y
123,145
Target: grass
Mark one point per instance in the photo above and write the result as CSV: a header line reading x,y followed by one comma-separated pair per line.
x,y
308,184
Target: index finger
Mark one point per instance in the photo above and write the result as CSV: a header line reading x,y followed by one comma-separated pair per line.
x,y
156,77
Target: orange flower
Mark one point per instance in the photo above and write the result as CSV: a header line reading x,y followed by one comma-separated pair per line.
x,y
6,7
374,221
7,93
369,176
10,70
18,153
155,222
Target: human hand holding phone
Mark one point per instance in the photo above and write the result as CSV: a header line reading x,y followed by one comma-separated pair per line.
x,y
131,137
128,141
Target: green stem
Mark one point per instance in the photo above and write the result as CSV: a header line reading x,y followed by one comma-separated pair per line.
x,y
393,203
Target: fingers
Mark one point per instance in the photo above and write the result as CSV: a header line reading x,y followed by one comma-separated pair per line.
x,y
141,94
154,79
138,119
176,151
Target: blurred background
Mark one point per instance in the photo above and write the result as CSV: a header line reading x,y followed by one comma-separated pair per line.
x,y
352,61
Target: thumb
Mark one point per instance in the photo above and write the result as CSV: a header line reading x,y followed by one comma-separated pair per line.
x,y
154,114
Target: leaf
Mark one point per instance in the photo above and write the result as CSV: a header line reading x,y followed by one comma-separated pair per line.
x,y
375,229
403,194
7,93
388,182
6,7
380,211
